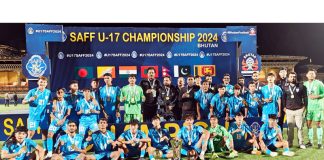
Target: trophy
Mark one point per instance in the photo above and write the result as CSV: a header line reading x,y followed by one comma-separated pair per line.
x,y
176,146
192,155
157,154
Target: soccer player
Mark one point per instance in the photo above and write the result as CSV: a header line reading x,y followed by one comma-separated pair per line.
x,y
239,129
194,138
236,103
132,96
270,138
282,82
167,98
60,111
109,96
159,139
315,93
71,145
219,103
37,99
186,97
220,139
253,100
271,96
73,97
150,88
103,141
19,147
95,91
134,141
89,113
203,98
229,88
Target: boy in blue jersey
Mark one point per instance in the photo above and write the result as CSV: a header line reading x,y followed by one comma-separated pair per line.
x,y
37,99
270,138
89,112
194,138
203,98
73,97
253,100
229,89
109,96
236,103
133,141
19,147
219,103
239,129
159,140
271,96
103,142
70,146
60,111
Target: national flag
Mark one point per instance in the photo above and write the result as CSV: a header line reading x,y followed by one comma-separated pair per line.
x,y
83,72
144,71
125,71
181,71
202,70
101,70
165,71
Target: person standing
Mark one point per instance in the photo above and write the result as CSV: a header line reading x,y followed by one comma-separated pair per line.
x,y
15,98
7,99
282,82
315,93
168,96
186,97
294,101
150,88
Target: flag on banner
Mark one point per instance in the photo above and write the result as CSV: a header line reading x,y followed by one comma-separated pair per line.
x,y
165,71
125,71
181,71
202,70
144,71
101,70
83,72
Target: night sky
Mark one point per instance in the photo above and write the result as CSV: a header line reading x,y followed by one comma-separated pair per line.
x,y
283,39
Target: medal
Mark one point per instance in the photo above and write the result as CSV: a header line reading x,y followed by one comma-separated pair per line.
x,y
153,91
108,98
133,99
292,91
292,96
167,93
167,98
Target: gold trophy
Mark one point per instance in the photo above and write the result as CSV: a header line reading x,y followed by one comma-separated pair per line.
x,y
157,154
176,146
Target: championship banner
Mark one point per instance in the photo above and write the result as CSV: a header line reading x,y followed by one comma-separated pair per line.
x,y
11,121
35,65
90,52
249,63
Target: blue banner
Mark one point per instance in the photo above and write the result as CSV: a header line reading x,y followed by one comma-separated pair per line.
x,y
35,65
11,121
88,52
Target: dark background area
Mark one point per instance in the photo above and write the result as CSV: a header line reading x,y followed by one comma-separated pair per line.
x,y
296,39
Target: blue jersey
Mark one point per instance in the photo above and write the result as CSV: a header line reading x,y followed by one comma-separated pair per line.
x,y
219,105
96,94
15,147
127,135
204,100
61,109
229,90
239,137
235,105
275,92
109,96
86,115
69,143
253,101
192,136
269,134
102,141
156,135
37,108
73,100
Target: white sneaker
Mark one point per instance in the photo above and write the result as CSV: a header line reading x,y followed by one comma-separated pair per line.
x,y
49,155
202,156
302,146
288,153
273,154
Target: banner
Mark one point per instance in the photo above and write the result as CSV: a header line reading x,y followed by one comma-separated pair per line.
x,y
89,52
249,63
35,65
11,121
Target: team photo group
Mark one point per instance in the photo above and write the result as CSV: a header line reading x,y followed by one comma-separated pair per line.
x,y
79,117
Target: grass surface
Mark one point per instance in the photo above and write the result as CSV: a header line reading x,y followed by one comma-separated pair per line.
x,y
20,108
